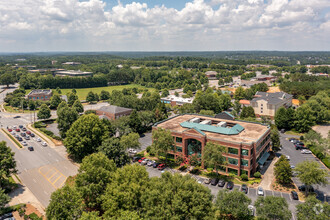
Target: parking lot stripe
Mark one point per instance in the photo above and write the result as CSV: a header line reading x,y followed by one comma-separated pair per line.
x,y
57,179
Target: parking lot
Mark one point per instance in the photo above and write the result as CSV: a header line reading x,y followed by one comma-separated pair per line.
x,y
296,157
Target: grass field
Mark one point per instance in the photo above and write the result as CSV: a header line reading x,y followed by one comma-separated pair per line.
x,y
82,93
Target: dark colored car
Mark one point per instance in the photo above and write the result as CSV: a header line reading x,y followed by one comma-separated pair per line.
x,y
30,148
135,159
244,188
23,129
214,181
294,195
17,116
23,134
303,188
32,135
20,139
230,185
299,147
161,166
28,132
155,165
299,143
6,216
20,126
221,183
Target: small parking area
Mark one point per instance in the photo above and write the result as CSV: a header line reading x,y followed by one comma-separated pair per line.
x,y
145,141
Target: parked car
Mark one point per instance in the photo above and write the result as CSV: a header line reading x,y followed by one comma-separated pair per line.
x,y
23,129
38,139
17,116
155,165
18,130
299,147
132,151
161,166
23,134
260,191
287,157
145,161
306,152
30,148
221,183
24,143
141,159
294,195
293,140
14,127
20,126
135,159
252,209
150,163
303,188
207,181
6,216
292,166
32,135
299,143
244,188
27,137
230,185
28,132
214,181
10,130
20,139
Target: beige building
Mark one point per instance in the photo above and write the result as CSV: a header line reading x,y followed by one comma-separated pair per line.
x,y
266,104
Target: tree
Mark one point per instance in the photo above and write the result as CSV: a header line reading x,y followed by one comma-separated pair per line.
x,y
104,95
44,112
165,93
313,208
112,148
247,112
275,138
233,205
78,106
72,97
309,173
130,141
7,163
90,216
55,101
225,102
4,199
271,207
213,155
94,174
281,120
32,105
283,171
207,112
162,141
237,107
239,93
65,118
85,136
7,79
304,118
91,97
135,122
176,94
65,203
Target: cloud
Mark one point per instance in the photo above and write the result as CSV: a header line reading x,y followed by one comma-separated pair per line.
x,y
200,25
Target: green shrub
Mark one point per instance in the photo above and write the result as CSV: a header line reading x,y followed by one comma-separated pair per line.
x,y
90,112
301,138
184,167
257,175
210,169
34,216
326,162
244,177
148,149
57,138
195,170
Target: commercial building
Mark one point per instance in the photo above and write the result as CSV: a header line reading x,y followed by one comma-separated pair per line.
x,y
174,100
247,143
71,63
40,94
113,112
266,104
211,74
73,73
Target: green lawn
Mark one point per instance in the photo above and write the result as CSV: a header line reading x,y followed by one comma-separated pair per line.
x,y
82,93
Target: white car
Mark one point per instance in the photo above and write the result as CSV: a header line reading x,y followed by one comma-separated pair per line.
x,y
145,161
24,143
150,163
132,151
306,151
260,191
287,157
252,208
44,144
38,139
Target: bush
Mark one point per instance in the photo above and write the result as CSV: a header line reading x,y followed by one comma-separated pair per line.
x,y
39,124
210,169
57,138
244,177
148,149
301,138
34,216
195,170
326,162
257,175
184,167
90,112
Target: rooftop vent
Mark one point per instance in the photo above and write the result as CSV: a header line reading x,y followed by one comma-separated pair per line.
x,y
222,124
206,122
195,120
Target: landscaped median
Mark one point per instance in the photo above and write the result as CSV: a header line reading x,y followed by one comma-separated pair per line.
x,y
12,138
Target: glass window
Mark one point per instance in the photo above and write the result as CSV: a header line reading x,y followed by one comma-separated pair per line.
x,y
178,149
244,162
245,152
232,150
178,140
234,171
232,161
172,147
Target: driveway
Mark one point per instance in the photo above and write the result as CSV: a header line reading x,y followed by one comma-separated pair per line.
x,y
145,141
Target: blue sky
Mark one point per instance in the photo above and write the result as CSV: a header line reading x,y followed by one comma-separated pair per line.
x,y
195,25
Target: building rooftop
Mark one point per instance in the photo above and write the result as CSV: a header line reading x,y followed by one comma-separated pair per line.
x,y
113,109
178,99
271,98
40,91
231,131
73,73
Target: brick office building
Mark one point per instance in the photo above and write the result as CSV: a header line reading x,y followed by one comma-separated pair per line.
x,y
247,143
40,94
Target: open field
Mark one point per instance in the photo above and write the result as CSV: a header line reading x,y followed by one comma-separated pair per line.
x,y
82,93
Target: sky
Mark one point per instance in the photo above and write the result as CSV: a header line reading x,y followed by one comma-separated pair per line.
x,y
164,25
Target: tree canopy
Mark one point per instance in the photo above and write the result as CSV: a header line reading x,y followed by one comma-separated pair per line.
x,y
7,164
271,207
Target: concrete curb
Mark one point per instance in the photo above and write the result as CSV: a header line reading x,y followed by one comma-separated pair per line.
x,y
44,137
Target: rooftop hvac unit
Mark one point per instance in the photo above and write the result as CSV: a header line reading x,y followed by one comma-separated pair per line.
x,y
195,120
206,122
222,124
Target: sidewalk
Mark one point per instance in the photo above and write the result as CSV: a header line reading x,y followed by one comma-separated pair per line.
x,y
266,182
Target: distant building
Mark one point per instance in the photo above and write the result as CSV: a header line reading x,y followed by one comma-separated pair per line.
x,y
225,115
42,71
40,94
244,102
71,63
72,73
211,74
54,62
266,104
174,100
113,112
249,83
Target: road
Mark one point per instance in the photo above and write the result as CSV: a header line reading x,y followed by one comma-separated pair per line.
x,y
43,170
296,157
